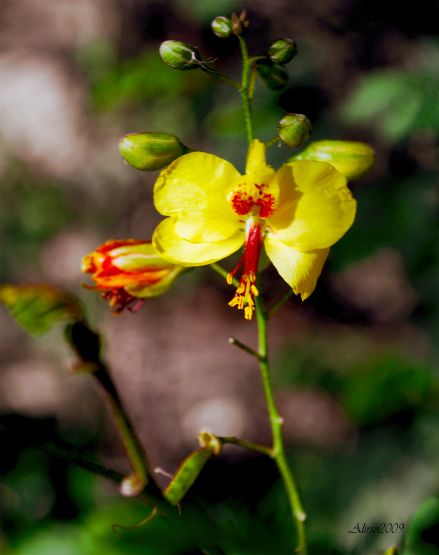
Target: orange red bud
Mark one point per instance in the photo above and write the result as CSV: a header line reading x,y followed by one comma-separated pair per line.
x,y
127,271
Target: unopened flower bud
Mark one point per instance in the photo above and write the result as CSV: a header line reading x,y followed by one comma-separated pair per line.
x,y
222,27
179,55
150,151
274,76
282,51
126,271
294,129
352,159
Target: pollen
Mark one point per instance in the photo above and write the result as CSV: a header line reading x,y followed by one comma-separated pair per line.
x,y
245,294
252,197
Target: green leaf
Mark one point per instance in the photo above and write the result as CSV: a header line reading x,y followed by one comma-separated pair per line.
x,y
422,533
37,308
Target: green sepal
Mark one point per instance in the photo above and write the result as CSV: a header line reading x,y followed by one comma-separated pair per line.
x,y
151,151
351,158
38,308
186,474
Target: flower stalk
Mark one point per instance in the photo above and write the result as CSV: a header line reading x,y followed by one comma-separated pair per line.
x,y
245,89
130,440
276,421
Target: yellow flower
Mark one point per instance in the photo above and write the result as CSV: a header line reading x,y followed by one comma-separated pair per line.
x,y
297,213
127,271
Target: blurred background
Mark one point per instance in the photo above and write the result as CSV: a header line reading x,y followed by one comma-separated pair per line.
x,y
355,366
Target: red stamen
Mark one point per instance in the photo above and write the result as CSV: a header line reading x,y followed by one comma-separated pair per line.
x,y
246,291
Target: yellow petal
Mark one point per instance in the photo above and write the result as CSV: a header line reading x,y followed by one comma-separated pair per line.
x,y
174,248
192,190
299,269
315,207
256,166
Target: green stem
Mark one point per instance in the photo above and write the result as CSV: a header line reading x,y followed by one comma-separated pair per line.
x,y
272,142
223,273
220,76
245,89
247,445
243,347
276,421
73,456
131,442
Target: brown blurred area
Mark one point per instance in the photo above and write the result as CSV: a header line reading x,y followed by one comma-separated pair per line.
x,y
175,369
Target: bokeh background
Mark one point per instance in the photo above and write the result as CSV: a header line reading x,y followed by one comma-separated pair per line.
x,y
355,366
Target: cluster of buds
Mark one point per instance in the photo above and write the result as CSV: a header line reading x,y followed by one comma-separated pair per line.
x,y
223,27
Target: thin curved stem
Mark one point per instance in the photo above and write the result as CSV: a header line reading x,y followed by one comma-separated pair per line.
x,y
276,421
223,273
131,442
279,304
247,444
220,76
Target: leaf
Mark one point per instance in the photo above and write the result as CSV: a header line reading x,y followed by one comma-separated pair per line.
x,y
423,531
37,308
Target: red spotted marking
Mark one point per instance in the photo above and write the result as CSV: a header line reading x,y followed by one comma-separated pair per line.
x,y
254,198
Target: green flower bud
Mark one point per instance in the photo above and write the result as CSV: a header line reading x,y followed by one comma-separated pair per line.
x,y
352,159
294,129
222,27
282,51
274,76
179,55
150,151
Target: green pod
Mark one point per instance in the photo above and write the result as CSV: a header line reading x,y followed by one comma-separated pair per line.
x,y
150,151
352,159
282,51
186,475
273,75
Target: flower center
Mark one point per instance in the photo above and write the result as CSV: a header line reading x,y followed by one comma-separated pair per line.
x,y
247,197
246,291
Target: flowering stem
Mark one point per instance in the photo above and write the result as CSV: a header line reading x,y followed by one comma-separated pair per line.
x,y
278,449
131,442
245,89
